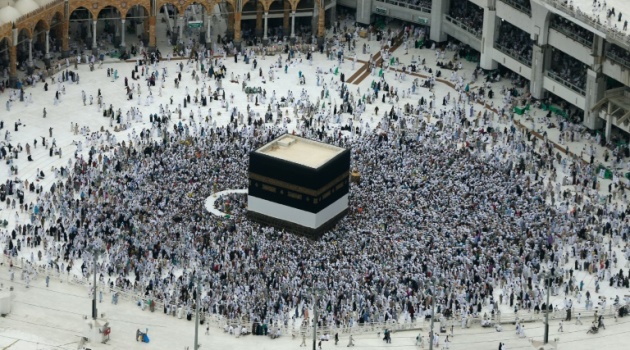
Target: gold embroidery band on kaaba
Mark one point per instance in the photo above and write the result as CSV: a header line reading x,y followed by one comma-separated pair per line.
x,y
338,181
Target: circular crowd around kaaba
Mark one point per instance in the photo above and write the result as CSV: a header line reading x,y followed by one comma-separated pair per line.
x,y
425,213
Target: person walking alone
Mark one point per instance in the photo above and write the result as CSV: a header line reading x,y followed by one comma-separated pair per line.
x,y
350,341
303,340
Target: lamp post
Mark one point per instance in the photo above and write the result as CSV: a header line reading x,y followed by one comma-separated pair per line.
x,y
433,295
94,311
315,297
316,291
548,285
432,320
197,302
96,250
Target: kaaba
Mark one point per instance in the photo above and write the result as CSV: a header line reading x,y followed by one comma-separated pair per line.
x,y
298,185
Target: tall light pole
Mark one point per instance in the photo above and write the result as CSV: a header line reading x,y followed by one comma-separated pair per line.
x,y
96,250
315,292
432,320
315,298
197,302
433,295
548,283
94,311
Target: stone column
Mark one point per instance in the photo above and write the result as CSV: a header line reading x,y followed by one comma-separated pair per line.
x,y
259,21
438,9
540,59
94,47
204,22
541,55
30,52
321,23
230,25
595,86
12,65
152,33
145,25
595,91
487,41
117,31
265,27
208,29
65,45
122,33
285,19
293,24
47,45
181,27
333,14
315,18
65,30
237,30
609,120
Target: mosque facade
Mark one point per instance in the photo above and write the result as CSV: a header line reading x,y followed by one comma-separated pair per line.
x,y
29,24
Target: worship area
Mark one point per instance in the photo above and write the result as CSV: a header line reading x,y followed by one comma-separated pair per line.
x,y
299,185
476,180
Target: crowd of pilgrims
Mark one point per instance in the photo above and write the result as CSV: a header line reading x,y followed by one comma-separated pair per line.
x,y
426,212
444,212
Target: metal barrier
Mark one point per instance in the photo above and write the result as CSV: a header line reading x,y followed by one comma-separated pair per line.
x,y
562,81
620,38
512,53
406,5
614,57
572,35
476,33
525,10
531,316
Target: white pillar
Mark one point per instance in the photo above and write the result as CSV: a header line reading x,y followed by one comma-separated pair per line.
x,y
608,129
293,24
181,27
30,52
538,70
438,9
208,30
265,26
47,45
487,42
595,90
122,33
94,34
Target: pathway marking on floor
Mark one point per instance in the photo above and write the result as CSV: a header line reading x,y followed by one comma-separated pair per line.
x,y
378,60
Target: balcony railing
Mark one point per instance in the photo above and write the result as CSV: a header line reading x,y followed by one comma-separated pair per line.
x,y
516,5
475,32
571,35
407,5
515,54
566,83
618,59
618,37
